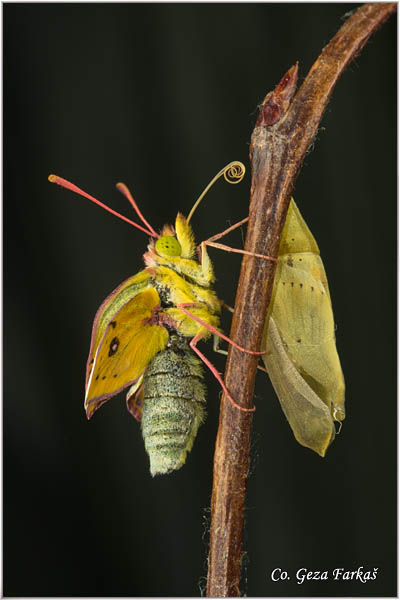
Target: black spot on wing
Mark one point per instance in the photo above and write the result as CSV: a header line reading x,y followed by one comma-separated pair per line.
x,y
114,324
114,345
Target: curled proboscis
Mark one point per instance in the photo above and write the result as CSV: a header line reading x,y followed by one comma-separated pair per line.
x,y
234,172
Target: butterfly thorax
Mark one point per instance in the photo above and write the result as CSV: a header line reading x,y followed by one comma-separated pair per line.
x,y
181,279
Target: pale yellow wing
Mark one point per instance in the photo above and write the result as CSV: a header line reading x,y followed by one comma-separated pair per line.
x,y
309,418
302,315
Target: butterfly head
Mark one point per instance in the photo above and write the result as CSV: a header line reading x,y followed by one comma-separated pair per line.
x,y
167,246
174,242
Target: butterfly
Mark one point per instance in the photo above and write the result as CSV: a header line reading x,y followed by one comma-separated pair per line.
x,y
144,336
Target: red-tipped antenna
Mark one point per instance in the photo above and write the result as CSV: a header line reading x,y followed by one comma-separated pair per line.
x,y
121,187
70,186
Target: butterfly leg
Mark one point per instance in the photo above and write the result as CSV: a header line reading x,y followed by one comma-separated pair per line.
x,y
212,329
218,236
211,242
216,348
216,340
224,305
193,344
238,251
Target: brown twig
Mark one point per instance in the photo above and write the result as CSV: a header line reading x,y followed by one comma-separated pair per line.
x,y
285,128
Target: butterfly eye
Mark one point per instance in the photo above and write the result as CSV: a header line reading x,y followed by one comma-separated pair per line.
x,y
167,246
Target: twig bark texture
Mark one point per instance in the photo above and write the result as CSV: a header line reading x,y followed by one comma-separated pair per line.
x,y
285,128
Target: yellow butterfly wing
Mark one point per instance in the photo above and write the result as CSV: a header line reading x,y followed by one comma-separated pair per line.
x,y
309,418
127,290
303,333
129,341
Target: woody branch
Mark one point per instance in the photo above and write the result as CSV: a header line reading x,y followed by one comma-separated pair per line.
x,y
285,128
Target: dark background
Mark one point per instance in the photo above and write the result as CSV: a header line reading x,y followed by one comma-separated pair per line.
x,y
161,97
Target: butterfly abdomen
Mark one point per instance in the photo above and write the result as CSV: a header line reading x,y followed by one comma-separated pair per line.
x,y
173,405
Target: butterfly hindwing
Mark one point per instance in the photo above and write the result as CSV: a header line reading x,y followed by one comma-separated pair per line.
x,y
134,399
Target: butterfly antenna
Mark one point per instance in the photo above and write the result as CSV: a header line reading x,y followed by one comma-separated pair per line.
x,y
121,187
233,173
70,186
